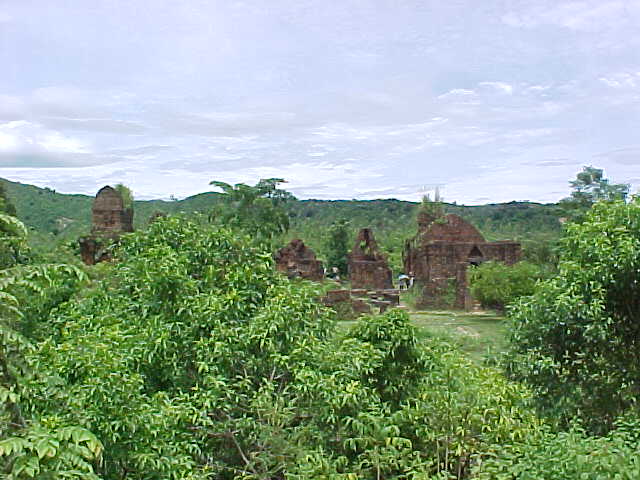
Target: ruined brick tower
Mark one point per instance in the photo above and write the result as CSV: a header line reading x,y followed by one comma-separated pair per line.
x,y
441,252
109,215
297,260
368,267
110,219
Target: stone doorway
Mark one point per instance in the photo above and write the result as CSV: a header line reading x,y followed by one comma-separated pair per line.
x,y
475,256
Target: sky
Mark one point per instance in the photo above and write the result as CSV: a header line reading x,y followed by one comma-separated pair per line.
x,y
490,101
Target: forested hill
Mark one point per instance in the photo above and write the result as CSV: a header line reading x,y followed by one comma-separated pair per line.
x,y
47,211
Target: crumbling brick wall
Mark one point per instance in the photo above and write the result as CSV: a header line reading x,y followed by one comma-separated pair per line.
x,y
368,267
296,260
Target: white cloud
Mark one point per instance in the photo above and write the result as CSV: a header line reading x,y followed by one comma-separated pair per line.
x,y
622,80
502,87
458,93
23,137
345,98
592,15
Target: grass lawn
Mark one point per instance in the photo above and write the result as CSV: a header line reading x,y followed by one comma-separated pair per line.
x,y
479,334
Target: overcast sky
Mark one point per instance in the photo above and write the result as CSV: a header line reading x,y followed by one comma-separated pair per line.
x,y
491,100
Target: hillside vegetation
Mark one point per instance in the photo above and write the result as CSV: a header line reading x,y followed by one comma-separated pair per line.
x,y
67,217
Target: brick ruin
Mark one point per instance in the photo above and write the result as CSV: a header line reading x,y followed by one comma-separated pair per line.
x,y
352,303
440,254
368,268
296,260
109,220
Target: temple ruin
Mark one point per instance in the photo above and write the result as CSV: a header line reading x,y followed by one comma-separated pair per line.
x,y
368,268
440,254
296,260
110,218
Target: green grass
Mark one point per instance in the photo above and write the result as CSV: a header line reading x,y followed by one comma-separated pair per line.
x,y
481,335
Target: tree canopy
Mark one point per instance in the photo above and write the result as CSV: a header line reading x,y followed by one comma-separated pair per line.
x,y
336,245
6,205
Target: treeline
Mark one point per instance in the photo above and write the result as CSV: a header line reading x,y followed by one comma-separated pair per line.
x,y
60,218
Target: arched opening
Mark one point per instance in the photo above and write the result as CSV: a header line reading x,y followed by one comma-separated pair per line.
x,y
475,256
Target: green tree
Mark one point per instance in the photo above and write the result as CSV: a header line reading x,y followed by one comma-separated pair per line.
x,y
35,447
336,245
576,341
573,454
257,210
589,187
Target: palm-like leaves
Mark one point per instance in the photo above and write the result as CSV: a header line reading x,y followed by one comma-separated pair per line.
x,y
255,209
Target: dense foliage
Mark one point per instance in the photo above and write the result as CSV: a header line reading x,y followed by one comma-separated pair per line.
x,y
35,447
6,205
13,240
568,455
496,285
192,358
577,339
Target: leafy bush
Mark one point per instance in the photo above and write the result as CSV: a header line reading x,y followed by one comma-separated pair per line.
x,y
567,455
577,339
336,246
496,285
126,194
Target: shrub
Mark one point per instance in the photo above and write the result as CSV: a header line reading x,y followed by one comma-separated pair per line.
x,y
496,285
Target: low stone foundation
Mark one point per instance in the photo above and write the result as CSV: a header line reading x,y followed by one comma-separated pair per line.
x,y
362,301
